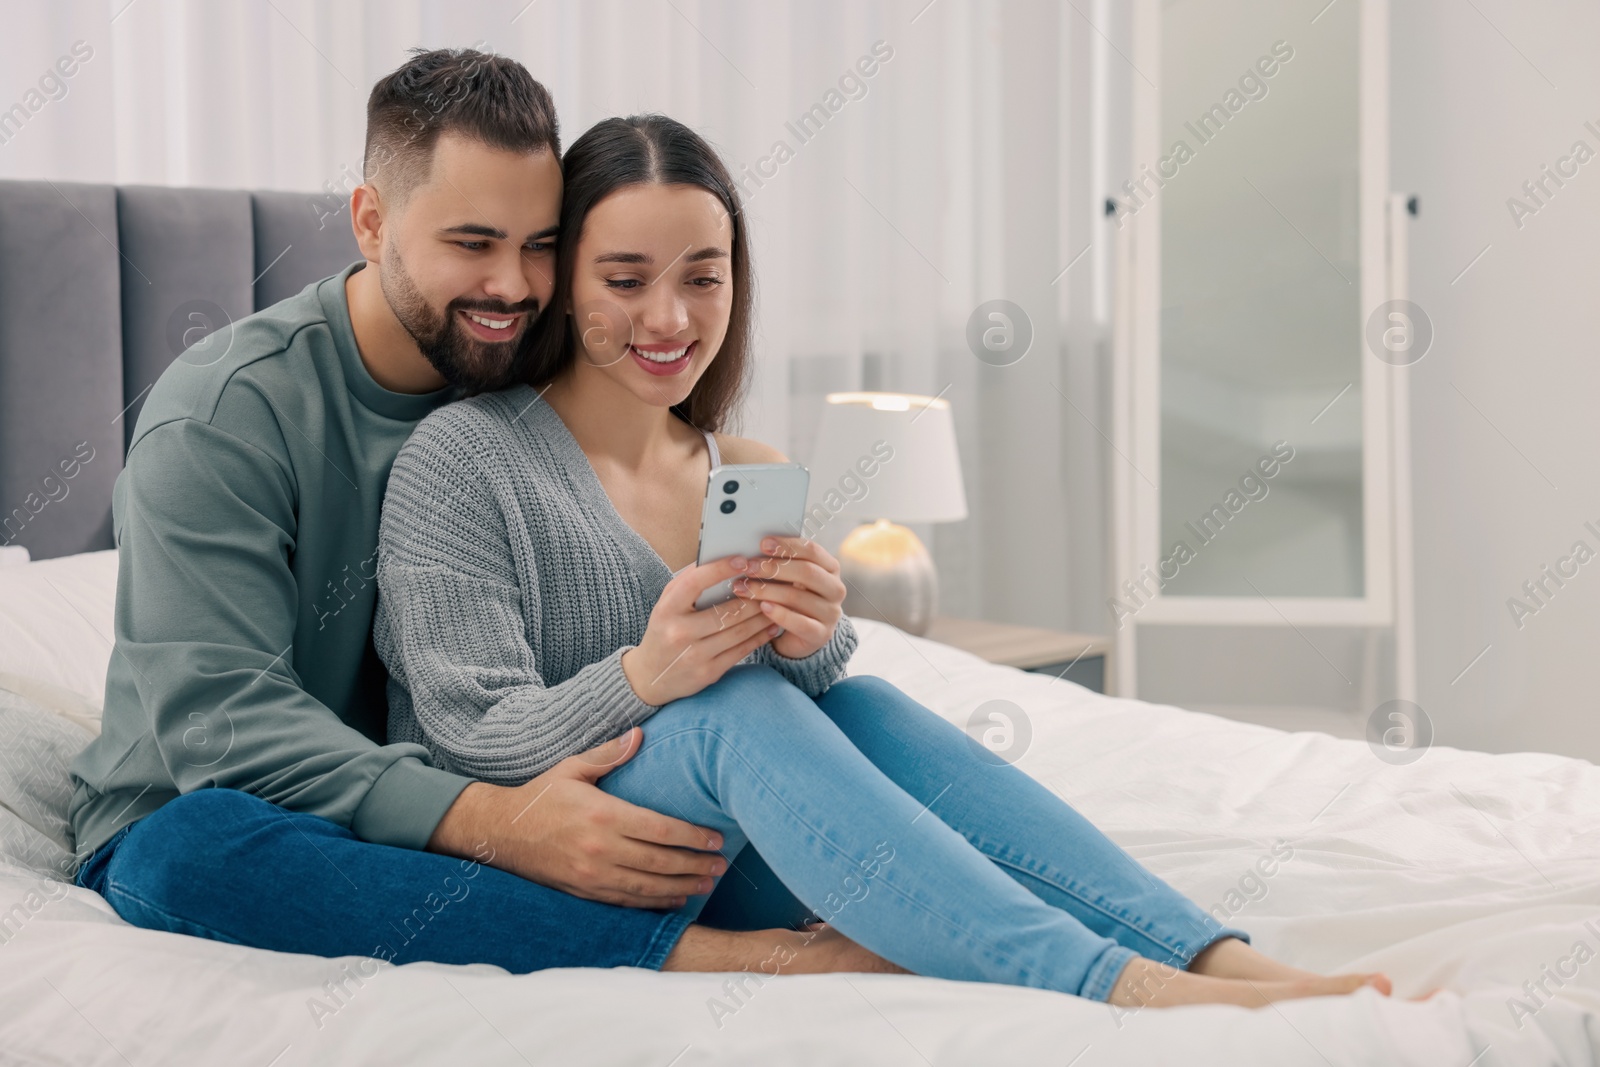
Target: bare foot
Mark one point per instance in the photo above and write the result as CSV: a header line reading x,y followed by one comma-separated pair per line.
x,y
822,949
1232,958
1145,983
818,949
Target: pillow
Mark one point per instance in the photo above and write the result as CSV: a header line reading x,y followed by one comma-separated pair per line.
x,y
64,703
56,621
36,747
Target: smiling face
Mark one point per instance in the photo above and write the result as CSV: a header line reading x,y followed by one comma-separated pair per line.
x,y
652,289
469,257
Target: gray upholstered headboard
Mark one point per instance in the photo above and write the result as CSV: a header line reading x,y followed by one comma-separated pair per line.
x,y
100,288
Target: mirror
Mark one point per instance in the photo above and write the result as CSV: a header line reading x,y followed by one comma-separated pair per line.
x,y
1261,332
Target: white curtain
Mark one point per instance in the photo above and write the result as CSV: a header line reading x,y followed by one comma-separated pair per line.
x,y
970,165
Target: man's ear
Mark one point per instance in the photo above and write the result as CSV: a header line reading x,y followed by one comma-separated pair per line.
x,y
366,220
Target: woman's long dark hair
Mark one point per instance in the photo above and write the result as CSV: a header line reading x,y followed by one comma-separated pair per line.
x,y
644,150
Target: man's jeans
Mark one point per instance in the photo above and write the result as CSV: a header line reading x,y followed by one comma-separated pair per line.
x,y
882,818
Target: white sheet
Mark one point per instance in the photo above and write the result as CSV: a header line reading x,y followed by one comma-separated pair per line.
x,y
1466,870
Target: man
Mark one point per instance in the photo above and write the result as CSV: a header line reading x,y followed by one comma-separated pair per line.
x,y
241,789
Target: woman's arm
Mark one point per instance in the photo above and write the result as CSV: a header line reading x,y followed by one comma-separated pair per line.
x,y
456,628
813,674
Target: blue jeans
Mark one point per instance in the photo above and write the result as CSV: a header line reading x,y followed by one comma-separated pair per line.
x,y
861,808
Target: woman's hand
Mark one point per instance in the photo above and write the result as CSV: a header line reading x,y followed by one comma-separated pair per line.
x,y
797,586
683,649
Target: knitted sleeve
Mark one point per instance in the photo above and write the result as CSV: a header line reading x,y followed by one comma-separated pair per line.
x,y
813,674
457,630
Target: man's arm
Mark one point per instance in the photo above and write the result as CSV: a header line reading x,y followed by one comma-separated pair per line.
x,y
563,831
206,608
205,617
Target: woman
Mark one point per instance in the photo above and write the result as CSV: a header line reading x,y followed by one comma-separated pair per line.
x,y
537,582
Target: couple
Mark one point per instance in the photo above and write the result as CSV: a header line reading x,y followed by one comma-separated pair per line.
x,y
580,768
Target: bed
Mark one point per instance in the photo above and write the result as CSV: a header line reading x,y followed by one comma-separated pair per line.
x,y
1478,874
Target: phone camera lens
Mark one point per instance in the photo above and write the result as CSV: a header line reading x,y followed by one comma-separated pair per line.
x,y
728,506
730,487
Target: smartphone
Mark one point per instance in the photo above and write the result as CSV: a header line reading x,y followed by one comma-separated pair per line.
x,y
744,503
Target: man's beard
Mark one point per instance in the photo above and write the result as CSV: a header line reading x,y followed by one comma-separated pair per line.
x,y
466,362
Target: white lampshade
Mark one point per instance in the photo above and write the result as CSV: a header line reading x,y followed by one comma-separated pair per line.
x,y
920,481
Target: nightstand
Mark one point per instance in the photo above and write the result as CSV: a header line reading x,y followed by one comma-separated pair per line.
x,y
1079,658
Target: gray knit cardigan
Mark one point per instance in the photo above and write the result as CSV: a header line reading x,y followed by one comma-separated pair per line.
x,y
508,589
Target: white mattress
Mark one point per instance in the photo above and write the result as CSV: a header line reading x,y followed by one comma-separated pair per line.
x,y
1474,872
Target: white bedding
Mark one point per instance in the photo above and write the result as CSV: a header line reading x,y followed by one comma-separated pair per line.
x,y
1472,872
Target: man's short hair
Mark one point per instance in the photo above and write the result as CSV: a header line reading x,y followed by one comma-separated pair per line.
x,y
459,90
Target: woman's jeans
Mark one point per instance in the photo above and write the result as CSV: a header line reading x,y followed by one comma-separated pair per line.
x,y
879,817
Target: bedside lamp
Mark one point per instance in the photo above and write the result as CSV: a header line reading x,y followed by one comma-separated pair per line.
x,y
890,458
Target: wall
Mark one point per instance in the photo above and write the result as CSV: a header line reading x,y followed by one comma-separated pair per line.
x,y
967,167
1504,405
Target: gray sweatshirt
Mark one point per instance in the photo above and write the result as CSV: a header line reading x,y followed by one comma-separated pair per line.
x,y
508,589
246,519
